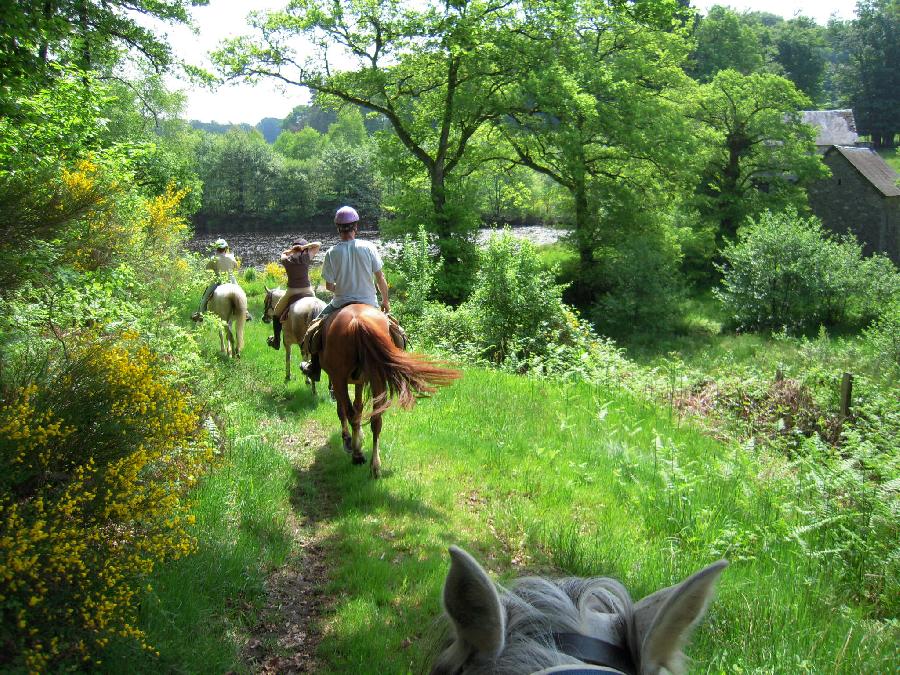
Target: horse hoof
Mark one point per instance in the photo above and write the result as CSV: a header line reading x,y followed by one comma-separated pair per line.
x,y
348,448
358,460
376,471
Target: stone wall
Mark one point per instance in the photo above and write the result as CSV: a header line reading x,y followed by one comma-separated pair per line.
x,y
848,202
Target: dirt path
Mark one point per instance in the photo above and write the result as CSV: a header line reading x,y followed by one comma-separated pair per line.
x,y
288,633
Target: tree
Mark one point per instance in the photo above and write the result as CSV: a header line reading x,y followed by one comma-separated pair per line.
x,y
595,105
874,70
269,127
86,33
761,154
726,40
301,145
800,51
349,129
432,70
245,181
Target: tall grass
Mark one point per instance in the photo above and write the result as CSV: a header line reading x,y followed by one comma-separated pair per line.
x,y
529,475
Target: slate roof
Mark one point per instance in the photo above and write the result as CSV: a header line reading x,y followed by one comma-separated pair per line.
x,y
836,127
872,167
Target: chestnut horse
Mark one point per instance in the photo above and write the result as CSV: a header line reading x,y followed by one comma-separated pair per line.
x,y
358,349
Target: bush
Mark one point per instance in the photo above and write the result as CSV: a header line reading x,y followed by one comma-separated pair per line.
x,y
883,338
275,273
95,461
638,281
786,272
516,320
514,297
413,277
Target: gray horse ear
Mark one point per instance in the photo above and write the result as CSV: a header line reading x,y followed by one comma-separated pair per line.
x,y
664,620
472,603
268,290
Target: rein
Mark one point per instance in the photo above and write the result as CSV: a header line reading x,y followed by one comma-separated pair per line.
x,y
594,651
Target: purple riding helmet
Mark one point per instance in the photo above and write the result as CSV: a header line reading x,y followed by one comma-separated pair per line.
x,y
346,218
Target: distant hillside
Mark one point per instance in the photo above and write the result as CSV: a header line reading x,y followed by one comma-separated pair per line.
x,y
269,127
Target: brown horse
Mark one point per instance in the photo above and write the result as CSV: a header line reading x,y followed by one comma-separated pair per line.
x,y
358,350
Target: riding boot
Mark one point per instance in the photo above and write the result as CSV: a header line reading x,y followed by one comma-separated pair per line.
x,y
311,368
275,340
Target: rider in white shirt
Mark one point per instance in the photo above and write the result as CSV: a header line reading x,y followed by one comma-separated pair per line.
x,y
222,265
352,269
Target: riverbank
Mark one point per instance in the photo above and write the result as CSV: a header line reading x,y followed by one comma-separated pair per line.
x,y
256,249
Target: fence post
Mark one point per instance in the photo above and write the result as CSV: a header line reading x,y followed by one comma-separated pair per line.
x,y
846,395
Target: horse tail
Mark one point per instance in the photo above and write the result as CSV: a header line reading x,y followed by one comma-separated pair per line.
x,y
403,374
239,312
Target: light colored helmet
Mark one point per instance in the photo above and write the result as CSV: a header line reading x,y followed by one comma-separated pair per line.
x,y
221,243
346,215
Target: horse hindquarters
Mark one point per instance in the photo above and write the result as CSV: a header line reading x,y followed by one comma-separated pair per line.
x,y
239,314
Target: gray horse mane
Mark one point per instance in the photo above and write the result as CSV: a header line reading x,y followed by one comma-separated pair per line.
x,y
535,608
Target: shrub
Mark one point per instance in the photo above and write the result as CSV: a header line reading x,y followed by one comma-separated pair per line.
x,y
413,277
514,297
786,272
516,320
883,338
638,282
95,461
275,273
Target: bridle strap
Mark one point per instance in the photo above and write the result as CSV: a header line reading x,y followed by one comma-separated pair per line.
x,y
595,651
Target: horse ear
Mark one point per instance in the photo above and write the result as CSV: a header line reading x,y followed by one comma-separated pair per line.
x,y
664,620
268,290
472,603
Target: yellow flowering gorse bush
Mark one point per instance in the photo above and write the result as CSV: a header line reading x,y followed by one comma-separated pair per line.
x,y
275,272
94,469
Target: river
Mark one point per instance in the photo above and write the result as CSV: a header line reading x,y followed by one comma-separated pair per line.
x,y
255,249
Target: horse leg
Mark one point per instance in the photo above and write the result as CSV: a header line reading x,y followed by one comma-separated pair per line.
x,y
344,410
355,422
287,361
222,348
378,390
230,335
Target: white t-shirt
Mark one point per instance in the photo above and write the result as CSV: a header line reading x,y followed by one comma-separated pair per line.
x,y
351,266
223,264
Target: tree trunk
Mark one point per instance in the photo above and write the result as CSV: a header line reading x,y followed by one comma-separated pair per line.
x,y
442,224
585,251
729,194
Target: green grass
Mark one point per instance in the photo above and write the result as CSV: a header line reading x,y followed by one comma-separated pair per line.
x,y
892,157
528,475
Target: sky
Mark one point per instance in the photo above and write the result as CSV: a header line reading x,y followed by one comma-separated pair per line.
x,y
245,103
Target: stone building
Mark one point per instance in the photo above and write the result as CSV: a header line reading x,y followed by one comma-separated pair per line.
x,y
861,196
835,127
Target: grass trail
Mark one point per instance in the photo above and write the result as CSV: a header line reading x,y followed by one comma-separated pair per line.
x,y
527,475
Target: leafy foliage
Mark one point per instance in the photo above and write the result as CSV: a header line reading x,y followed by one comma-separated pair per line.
x,y
96,459
761,154
785,272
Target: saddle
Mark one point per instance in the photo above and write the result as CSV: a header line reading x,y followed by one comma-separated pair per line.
x,y
313,341
290,303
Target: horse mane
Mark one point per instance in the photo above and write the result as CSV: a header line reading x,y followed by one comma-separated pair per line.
x,y
405,375
535,608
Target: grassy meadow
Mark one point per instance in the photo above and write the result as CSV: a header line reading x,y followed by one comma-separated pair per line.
x,y
528,475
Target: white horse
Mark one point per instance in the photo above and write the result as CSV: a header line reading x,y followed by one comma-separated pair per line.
x,y
301,314
566,625
229,303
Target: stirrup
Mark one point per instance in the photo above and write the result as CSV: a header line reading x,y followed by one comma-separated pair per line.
x,y
271,342
196,316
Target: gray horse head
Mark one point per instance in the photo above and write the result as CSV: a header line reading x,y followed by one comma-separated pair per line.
x,y
540,624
